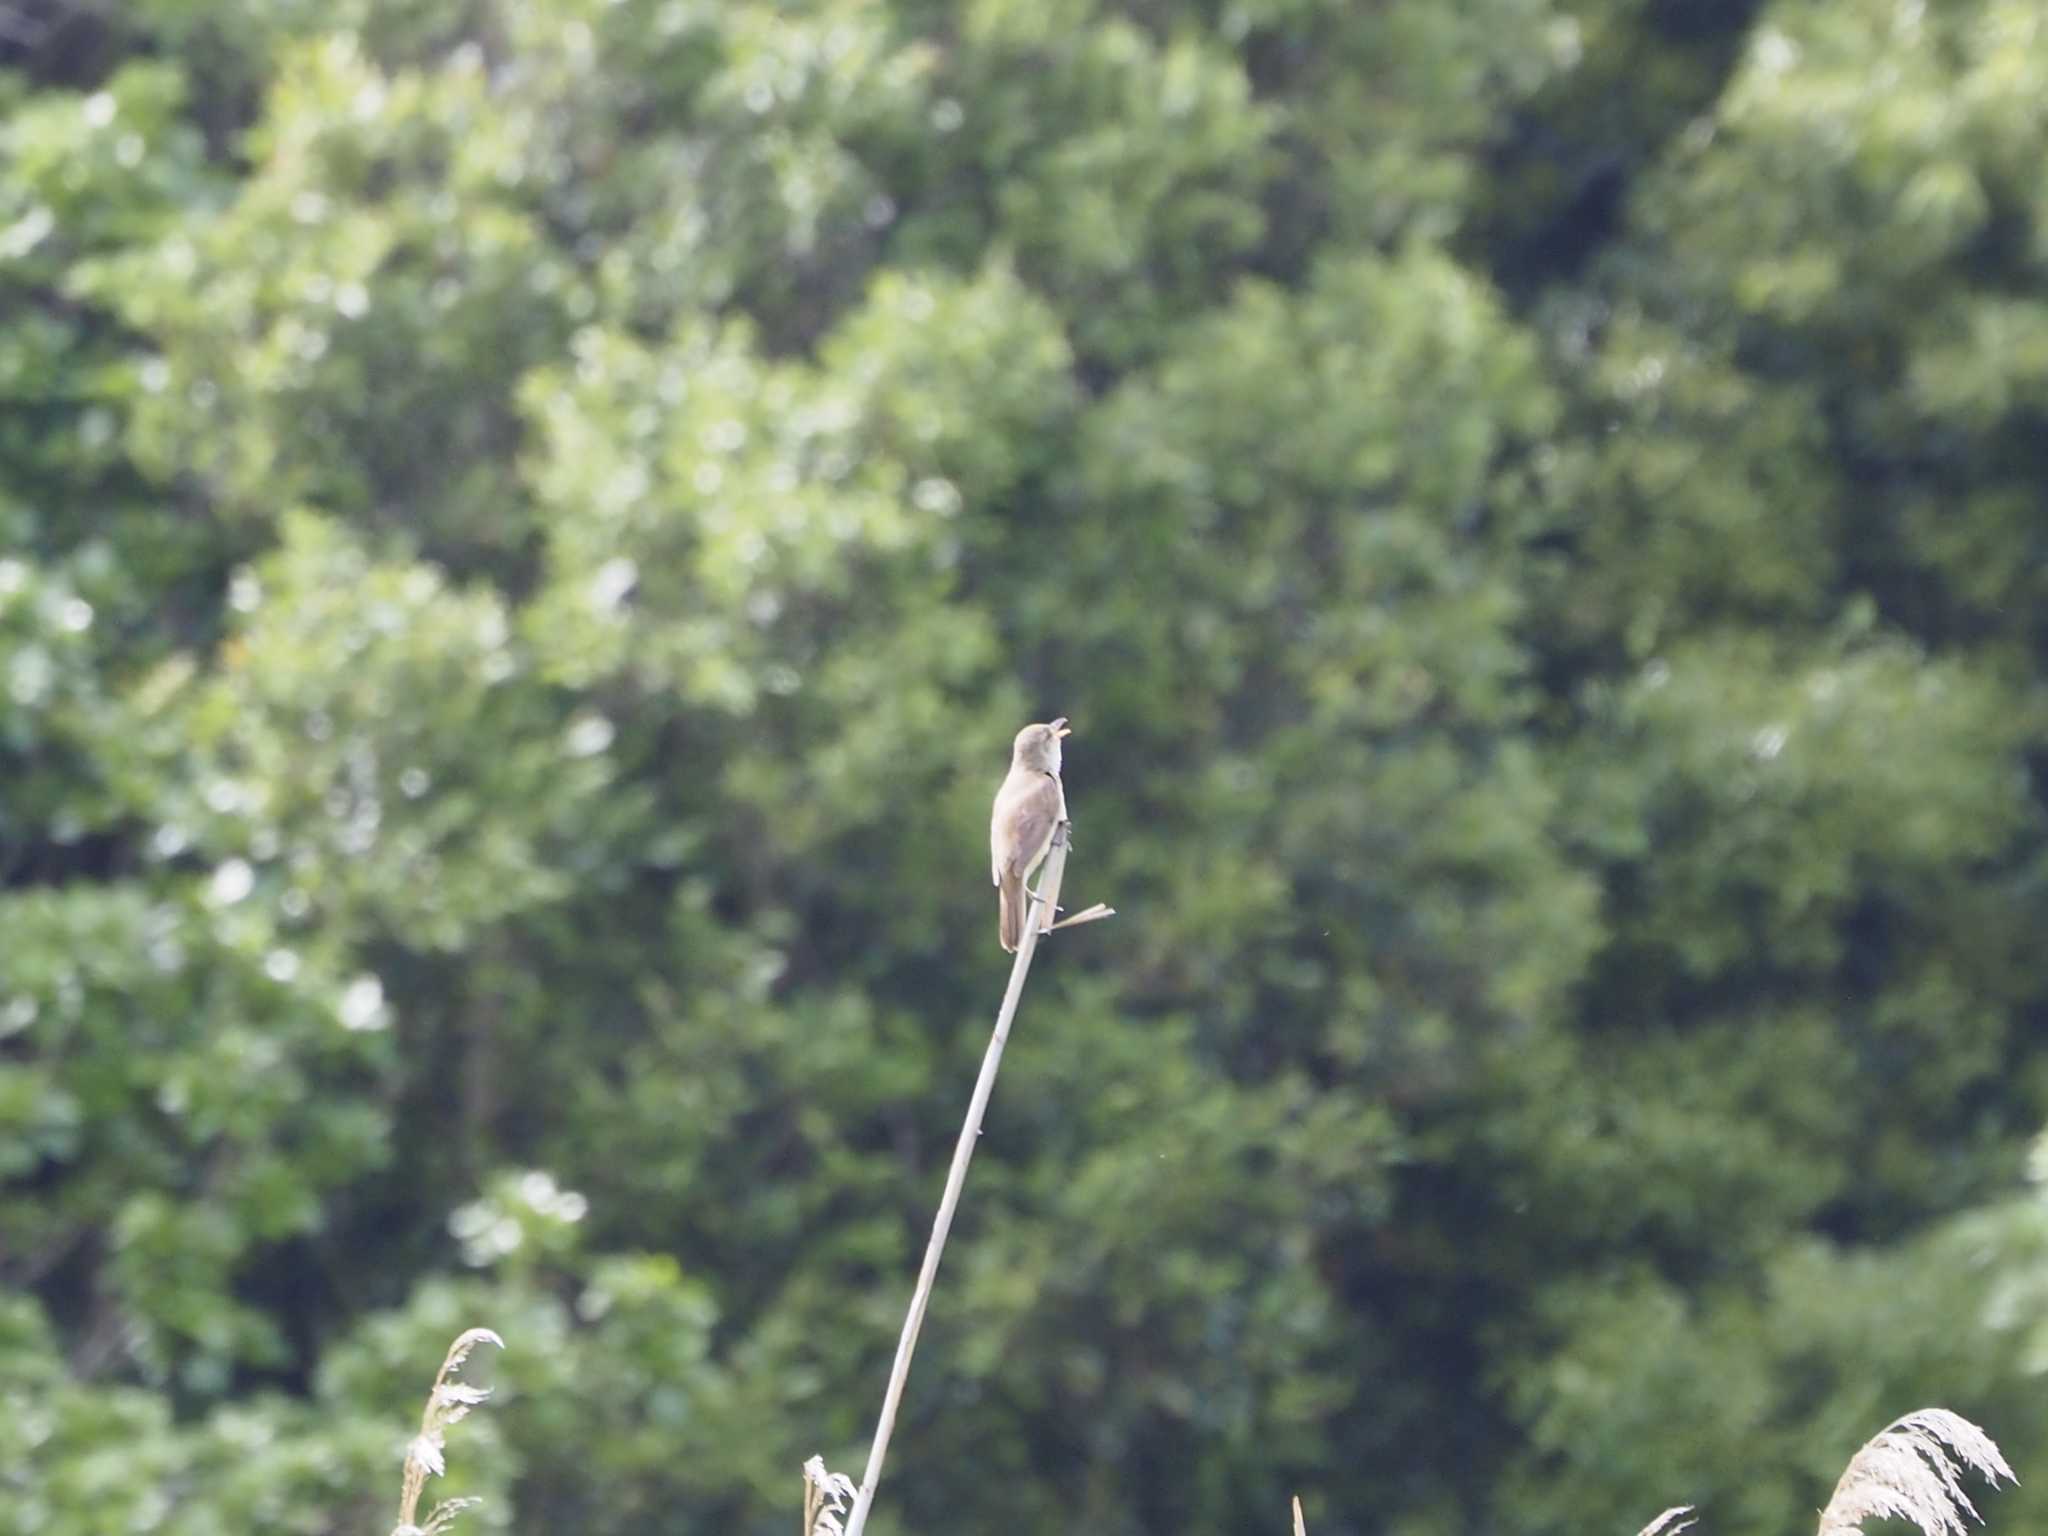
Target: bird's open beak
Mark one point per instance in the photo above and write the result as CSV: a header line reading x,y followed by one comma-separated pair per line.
x,y
1059,727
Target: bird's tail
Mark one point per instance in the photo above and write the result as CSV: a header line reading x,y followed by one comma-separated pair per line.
x,y
1010,911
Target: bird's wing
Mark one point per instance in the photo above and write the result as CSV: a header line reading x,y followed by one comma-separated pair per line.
x,y
998,826
1032,814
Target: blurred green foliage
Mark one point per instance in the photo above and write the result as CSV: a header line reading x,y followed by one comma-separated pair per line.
x,y
526,527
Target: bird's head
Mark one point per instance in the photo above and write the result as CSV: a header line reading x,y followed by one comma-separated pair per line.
x,y
1038,746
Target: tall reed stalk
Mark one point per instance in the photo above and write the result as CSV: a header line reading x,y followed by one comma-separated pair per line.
x,y
1037,917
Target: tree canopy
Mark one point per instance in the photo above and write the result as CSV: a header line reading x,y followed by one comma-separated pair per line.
x,y
527,527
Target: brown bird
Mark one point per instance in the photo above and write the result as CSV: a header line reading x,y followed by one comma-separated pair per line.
x,y
1028,807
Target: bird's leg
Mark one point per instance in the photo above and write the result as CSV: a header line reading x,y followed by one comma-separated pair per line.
x,y
1038,886
1063,830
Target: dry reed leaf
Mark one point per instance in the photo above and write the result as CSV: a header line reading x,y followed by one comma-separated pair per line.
x,y
825,1496
1670,1523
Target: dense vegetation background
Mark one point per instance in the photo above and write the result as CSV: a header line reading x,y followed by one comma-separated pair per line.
x,y
526,527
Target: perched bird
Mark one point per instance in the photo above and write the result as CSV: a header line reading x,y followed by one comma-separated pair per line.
x,y
1028,807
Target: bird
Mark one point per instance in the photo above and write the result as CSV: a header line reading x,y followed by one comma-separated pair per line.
x,y
1030,804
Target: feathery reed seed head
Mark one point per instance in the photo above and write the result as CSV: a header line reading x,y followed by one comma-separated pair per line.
x,y
1912,1470
448,1403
